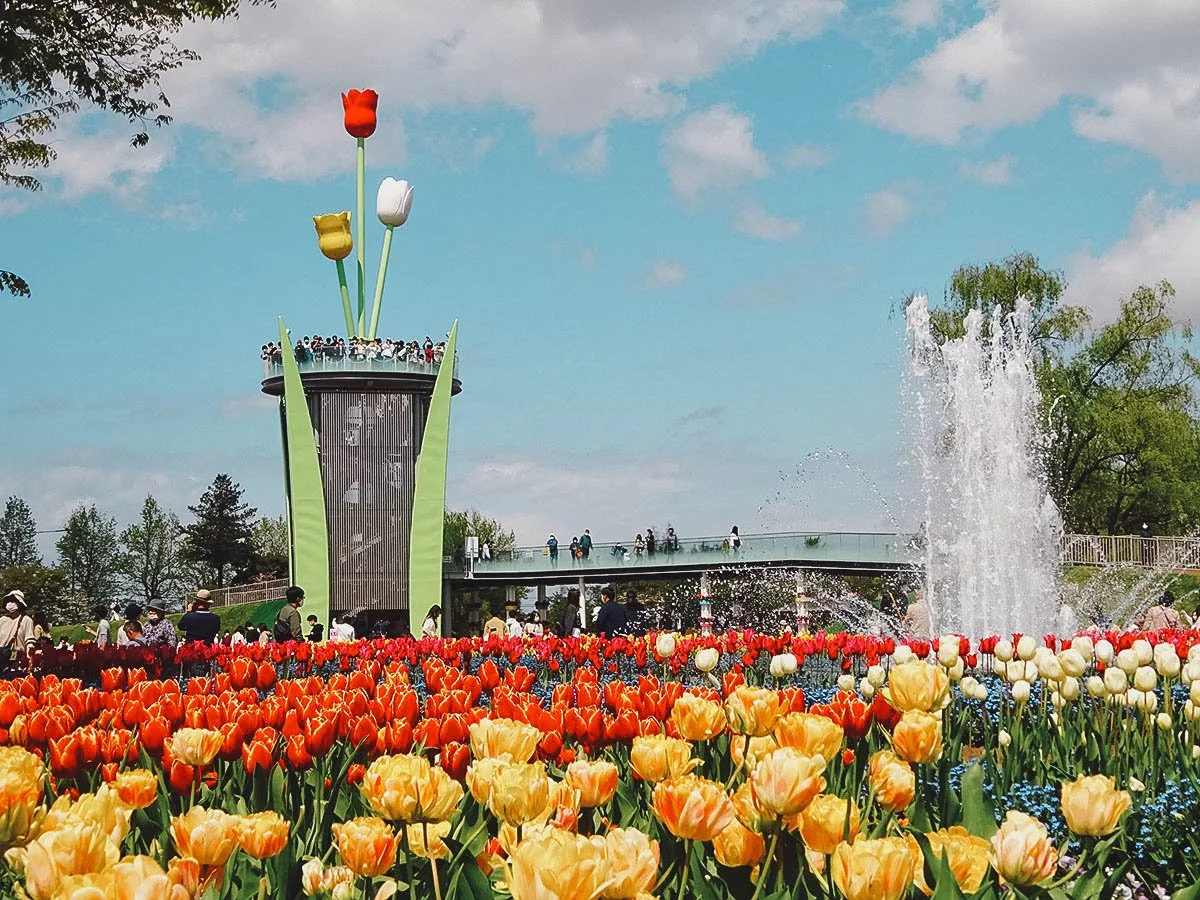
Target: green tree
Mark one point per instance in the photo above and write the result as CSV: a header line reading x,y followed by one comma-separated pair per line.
x,y
269,544
56,57
151,562
220,538
90,554
44,587
18,535
458,525
1118,399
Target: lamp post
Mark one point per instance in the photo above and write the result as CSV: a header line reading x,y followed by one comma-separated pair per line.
x,y
706,616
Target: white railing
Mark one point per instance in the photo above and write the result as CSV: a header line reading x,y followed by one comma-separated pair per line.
x,y
259,592
1131,550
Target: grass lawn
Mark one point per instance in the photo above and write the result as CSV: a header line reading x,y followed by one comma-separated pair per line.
x,y
232,618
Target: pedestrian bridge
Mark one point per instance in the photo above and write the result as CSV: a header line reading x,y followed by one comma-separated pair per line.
x,y
825,551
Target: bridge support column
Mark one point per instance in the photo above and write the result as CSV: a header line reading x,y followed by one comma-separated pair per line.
x,y
582,605
510,595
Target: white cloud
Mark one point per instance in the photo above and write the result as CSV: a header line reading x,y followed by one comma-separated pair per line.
x,y
266,89
754,221
806,156
914,15
712,148
104,162
993,172
888,209
1130,68
665,273
1160,243
590,159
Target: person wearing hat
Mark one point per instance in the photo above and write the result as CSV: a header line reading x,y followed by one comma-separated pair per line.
x,y
199,623
158,630
612,618
17,634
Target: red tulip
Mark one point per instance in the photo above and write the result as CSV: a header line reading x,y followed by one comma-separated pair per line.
x,y
359,107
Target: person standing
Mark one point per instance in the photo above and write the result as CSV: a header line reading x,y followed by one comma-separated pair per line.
x,y
287,621
159,631
735,539
485,551
431,627
672,540
650,541
612,618
340,630
570,621
552,544
639,546
133,617
494,626
316,631
576,553
512,624
585,543
199,623
103,630
17,636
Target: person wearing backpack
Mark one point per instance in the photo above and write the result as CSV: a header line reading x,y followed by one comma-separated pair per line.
x,y
288,626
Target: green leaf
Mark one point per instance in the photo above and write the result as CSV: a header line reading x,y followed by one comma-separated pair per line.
x,y
938,873
700,886
1188,893
978,816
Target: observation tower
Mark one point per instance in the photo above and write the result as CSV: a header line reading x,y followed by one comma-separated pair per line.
x,y
365,437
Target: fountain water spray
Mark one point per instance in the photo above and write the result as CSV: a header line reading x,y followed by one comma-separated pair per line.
x,y
991,532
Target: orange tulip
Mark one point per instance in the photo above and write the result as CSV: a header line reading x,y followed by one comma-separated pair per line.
x,y
827,821
596,781
917,737
367,846
785,781
137,788
810,734
753,711
966,854
195,746
1021,850
263,834
697,719
692,808
208,836
655,757
736,845
504,737
359,107
880,869
892,780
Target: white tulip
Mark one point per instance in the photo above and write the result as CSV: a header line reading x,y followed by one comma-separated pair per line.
x,y
1145,678
1127,661
1003,738
1163,721
1194,693
1144,651
866,688
956,671
1148,702
1191,711
707,659
967,687
1104,651
1014,671
877,676
783,665
1051,669
1195,751
1191,671
1136,786
1167,664
1095,686
1116,681
1194,653
665,645
1070,689
393,202
1057,700
947,653
1020,691
1072,662
1003,651
1134,698
846,683
1026,647
903,654
1084,647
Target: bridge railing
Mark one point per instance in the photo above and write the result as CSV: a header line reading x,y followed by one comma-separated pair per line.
x,y
1131,550
259,592
714,551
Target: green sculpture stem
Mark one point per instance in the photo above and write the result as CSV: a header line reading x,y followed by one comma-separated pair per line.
x,y
379,280
341,270
360,243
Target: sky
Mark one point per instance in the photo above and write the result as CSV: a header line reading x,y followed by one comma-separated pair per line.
x,y
675,235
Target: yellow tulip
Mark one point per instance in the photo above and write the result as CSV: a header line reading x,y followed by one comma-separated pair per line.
x,y
655,757
632,860
753,711
692,808
738,846
480,774
879,869
426,841
21,811
917,685
827,821
263,834
520,793
195,746
1093,806
747,810
366,845
750,750
892,780
503,737
917,737
137,788
785,781
318,879
810,734
965,853
595,780
553,864
697,719
1021,850
209,836
409,789
138,877
77,848
333,235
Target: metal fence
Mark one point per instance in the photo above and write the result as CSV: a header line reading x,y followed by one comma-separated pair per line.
x,y
259,592
1131,550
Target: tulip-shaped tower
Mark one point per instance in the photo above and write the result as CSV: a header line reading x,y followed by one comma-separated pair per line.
x,y
365,438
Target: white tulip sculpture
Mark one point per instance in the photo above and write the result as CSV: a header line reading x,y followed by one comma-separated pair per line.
x,y
392,205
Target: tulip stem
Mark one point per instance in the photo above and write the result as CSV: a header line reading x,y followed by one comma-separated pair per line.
x,y
341,270
437,888
683,868
379,280
359,244
766,865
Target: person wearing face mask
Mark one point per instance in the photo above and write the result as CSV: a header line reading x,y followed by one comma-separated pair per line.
x,y
158,631
17,633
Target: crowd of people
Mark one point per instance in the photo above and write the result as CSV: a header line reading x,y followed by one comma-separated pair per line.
x,y
644,544
613,618
316,348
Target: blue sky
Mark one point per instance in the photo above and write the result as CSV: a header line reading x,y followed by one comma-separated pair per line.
x,y
673,235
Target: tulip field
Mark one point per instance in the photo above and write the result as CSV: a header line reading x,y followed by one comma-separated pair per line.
x,y
706,767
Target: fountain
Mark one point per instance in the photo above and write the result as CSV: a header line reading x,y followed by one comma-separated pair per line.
x,y
991,532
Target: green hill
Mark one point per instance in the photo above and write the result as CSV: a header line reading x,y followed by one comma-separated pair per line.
x,y
232,617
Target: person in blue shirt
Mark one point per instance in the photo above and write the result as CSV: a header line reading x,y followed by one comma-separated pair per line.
x,y
553,545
